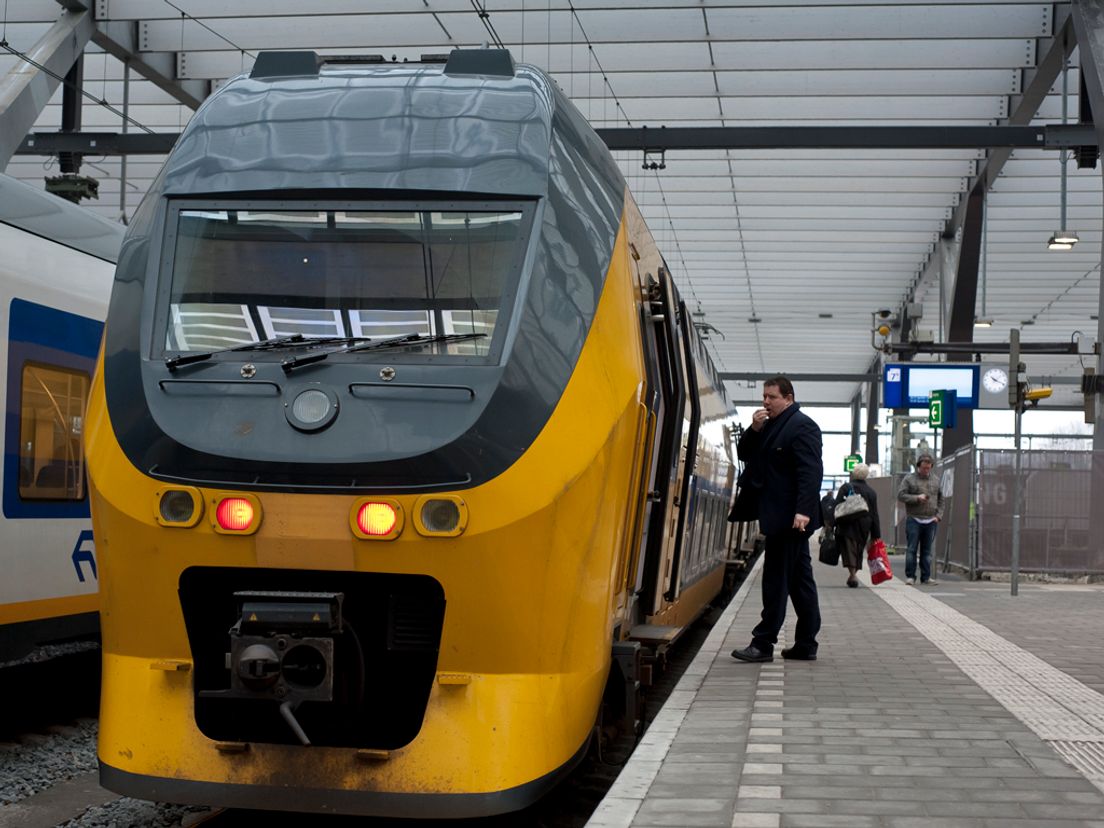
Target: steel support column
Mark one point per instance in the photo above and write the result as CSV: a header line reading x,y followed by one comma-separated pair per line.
x,y
1088,25
960,326
872,408
71,106
856,420
27,88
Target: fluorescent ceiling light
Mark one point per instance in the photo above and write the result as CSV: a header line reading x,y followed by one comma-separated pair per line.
x,y
982,322
1062,240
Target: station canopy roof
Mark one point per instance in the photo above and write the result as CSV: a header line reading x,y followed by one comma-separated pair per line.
x,y
781,253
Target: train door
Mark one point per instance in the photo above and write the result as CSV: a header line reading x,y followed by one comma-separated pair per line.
x,y
665,354
688,444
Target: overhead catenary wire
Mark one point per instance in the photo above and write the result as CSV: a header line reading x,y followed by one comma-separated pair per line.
x,y
199,22
61,79
485,19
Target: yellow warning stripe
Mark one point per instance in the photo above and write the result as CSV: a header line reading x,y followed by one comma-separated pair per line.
x,y
48,608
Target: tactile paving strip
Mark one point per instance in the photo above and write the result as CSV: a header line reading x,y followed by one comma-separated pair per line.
x,y
1087,757
1061,710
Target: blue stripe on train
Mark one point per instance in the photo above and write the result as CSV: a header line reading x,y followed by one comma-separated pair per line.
x,y
48,336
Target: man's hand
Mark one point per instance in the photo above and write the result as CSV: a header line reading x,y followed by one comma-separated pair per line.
x,y
758,419
800,522
922,498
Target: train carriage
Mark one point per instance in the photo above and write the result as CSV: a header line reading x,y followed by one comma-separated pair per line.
x,y
400,430
55,276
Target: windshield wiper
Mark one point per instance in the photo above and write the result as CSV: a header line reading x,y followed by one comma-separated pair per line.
x,y
174,362
404,341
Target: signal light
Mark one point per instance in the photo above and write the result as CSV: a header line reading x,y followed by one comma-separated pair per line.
x,y
376,519
1035,394
234,514
442,516
179,507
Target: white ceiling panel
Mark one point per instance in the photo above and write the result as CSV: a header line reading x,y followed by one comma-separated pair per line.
x,y
788,234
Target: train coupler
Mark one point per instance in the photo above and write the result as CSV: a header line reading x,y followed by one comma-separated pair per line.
x,y
282,650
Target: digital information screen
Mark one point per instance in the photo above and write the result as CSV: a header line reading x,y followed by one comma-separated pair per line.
x,y
909,385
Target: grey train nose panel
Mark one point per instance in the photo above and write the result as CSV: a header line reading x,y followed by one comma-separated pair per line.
x,y
370,134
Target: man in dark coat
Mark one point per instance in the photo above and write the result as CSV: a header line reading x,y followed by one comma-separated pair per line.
x,y
783,466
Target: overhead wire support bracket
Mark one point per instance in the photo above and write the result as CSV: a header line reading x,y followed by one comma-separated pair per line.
x,y
1052,136
650,141
978,347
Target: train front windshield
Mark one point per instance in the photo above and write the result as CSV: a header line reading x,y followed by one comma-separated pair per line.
x,y
243,275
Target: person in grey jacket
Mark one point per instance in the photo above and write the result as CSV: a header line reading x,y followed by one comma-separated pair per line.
x,y
923,498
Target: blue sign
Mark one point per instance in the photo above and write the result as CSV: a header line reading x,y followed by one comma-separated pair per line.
x,y
910,384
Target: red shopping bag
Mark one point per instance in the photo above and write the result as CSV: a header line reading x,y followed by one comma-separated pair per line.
x,y
879,562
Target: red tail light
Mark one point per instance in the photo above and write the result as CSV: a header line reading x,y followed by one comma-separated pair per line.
x,y
234,514
376,519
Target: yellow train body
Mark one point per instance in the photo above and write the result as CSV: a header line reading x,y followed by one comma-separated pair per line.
x,y
589,450
531,588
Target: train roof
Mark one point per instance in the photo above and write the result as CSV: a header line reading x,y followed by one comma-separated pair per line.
x,y
38,212
476,124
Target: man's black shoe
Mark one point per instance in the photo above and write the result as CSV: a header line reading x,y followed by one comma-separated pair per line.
x,y
795,654
752,653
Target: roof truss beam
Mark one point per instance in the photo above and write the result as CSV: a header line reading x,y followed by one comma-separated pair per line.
x,y
119,38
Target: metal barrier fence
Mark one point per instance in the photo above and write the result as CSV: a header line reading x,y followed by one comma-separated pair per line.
x,y
955,539
1059,533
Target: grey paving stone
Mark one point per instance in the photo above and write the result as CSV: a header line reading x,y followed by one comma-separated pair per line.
x,y
782,806
1063,811
684,790
679,758
827,821
1011,810
678,812
892,735
701,773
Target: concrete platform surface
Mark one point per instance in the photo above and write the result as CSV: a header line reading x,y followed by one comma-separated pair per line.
x,y
945,706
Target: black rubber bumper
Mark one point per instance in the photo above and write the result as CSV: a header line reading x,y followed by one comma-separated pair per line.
x,y
329,801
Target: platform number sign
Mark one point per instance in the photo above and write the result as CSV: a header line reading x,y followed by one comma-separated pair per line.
x,y
850,461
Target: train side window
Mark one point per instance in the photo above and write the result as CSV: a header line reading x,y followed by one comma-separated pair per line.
x,y
51,463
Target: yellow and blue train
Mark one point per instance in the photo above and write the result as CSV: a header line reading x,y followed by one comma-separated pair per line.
x,y
400,430
55,276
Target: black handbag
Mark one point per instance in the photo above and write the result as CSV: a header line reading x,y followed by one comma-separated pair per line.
x,y
829,550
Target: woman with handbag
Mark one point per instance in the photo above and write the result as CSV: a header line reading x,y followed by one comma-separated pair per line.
x,y
856,520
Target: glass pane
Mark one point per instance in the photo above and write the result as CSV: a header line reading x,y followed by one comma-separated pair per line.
x,y
51,463
242,275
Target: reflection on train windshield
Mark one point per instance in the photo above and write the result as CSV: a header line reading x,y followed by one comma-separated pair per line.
x,y
240,276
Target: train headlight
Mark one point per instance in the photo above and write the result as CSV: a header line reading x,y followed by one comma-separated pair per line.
x,y
311,409
235,514
376,518
178,506
440,515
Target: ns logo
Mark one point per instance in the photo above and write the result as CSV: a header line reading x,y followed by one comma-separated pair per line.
x,y
85,553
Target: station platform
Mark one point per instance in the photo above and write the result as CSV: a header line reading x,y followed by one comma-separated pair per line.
x,y
944,706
